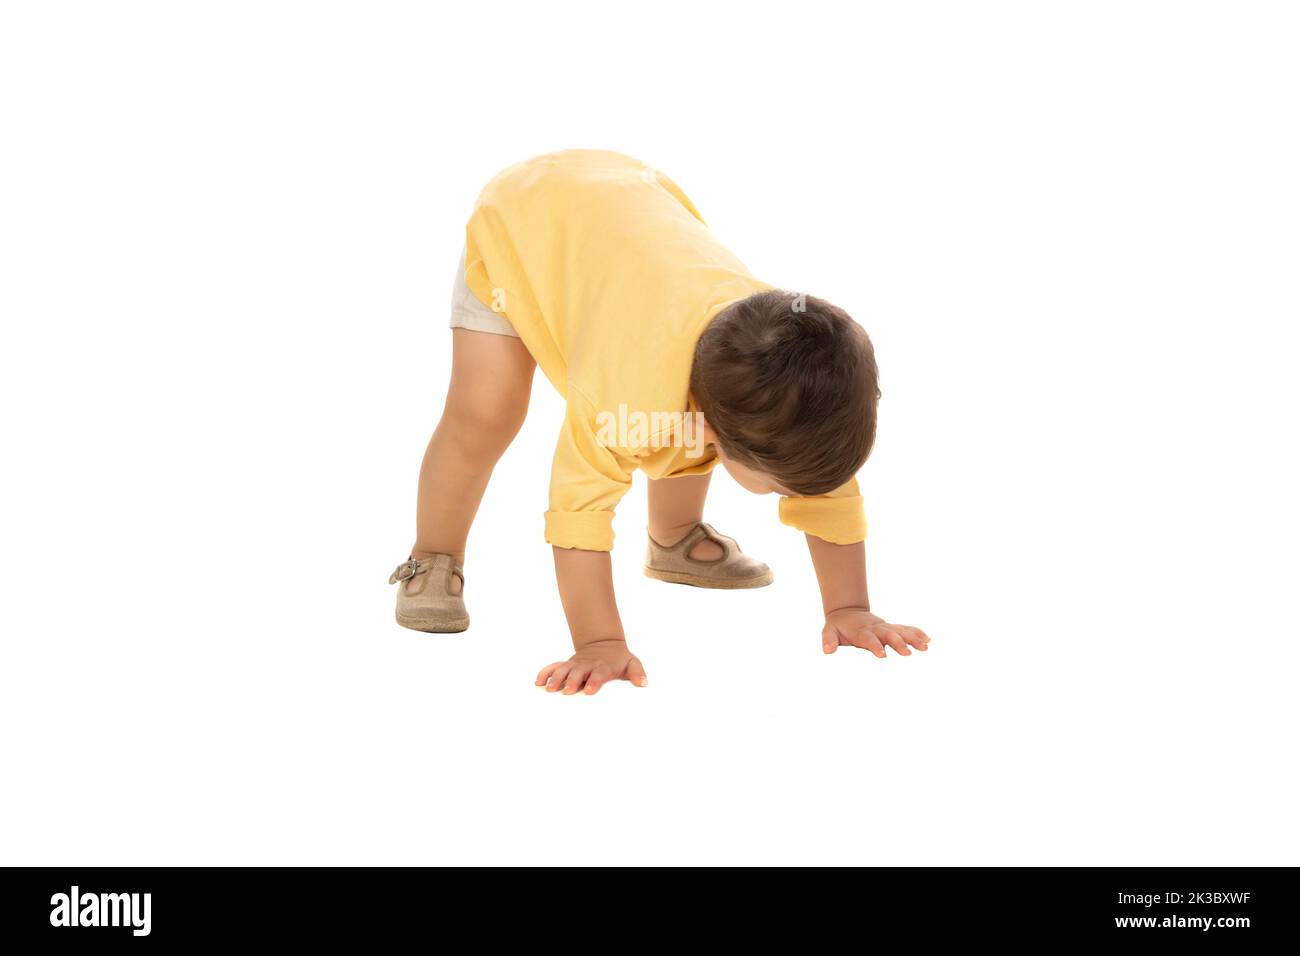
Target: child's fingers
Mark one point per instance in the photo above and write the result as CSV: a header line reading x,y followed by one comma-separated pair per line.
x,y
636,673
830,639
556,678
867,640
914,637
577,677
546,672
597,679
895,640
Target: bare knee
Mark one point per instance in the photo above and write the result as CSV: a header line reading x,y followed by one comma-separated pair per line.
x,y
487,400
484,423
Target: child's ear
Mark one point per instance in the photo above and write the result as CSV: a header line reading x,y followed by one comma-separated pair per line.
x,y
710,436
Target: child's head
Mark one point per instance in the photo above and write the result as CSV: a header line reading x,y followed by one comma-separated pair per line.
x,y
788,387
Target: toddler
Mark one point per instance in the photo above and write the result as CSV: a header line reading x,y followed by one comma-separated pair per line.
x,y
671,358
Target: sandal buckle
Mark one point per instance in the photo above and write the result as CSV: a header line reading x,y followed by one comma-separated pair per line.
x,y
406,571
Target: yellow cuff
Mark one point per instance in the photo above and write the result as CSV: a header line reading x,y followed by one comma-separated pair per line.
x,y
837,520
584,530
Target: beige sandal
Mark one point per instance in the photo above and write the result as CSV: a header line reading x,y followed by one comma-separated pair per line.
x,y
431,607
732,571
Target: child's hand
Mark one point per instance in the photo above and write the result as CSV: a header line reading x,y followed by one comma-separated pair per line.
x,y
857,627
591,667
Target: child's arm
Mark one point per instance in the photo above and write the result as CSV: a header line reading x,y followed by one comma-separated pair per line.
x,y
600,651
842,576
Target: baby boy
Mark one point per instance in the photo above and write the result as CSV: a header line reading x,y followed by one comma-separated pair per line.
x,y
671,358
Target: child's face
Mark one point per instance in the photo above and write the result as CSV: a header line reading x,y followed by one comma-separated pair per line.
x,y
751,479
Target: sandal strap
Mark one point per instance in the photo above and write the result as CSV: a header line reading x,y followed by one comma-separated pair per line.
x,y
727,544
405,571
411,567
701,532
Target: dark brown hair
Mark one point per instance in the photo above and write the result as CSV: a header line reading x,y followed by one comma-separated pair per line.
x,y
789,383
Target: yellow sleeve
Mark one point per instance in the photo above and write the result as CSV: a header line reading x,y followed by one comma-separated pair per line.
x,y
587,481
837,516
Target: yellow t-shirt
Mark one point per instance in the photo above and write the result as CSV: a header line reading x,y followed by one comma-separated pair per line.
x,y
609,275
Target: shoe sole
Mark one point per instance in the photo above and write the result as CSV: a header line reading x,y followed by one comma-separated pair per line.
x,y
451,626
702,581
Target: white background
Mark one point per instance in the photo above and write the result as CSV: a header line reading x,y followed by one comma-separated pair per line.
x,y
227,238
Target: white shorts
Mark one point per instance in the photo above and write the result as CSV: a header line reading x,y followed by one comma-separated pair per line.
x,y
468,312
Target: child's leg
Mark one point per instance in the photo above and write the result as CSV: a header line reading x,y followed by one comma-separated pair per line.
x,y
491,380
676,506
